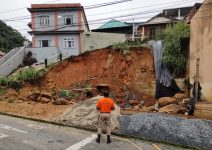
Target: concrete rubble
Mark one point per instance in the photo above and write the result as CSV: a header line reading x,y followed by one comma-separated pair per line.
x,y
84,114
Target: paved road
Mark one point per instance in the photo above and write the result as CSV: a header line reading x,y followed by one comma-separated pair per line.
x,y
20,134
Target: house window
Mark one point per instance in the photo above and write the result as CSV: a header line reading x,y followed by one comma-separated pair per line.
x,y
68,20
44,21
69,42
45,43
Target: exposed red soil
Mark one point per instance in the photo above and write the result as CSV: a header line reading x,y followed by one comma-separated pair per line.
x,y
106,66
130,77
32,109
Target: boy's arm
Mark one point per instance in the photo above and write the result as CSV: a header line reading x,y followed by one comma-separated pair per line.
x,y
113,106
98,105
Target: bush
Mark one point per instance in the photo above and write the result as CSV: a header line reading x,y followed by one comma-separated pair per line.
x,y
18,80
2,91
3,81
10,82
30,74
126,46
173,57
64,93
69,94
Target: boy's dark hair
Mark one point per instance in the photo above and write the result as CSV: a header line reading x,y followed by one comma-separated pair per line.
x,y
106,93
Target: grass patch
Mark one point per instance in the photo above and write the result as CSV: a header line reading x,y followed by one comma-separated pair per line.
x,y
30,74
126,46
69,94
2,91
18,80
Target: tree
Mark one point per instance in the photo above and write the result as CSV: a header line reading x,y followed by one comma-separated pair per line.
x,y
173,56
9,37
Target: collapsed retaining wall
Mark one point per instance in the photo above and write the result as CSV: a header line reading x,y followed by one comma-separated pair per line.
x,y
131,74
195,133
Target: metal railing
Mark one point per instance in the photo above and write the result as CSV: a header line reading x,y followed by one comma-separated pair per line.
x,y
9,55
51,59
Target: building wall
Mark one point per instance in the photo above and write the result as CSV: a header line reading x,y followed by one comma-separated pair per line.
x,y
40,53
36,22
53,18
201,47
96,40
69,51
37,38
75,25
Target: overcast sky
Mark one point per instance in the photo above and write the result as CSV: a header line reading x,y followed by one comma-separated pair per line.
x,y
146,9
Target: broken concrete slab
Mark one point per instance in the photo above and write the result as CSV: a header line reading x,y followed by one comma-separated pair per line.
x,y
84,114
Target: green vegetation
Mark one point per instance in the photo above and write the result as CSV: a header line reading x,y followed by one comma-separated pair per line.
x,y
10,82
126,46
69,94
2,91
64,93
173,57
30,74
18,80
9,38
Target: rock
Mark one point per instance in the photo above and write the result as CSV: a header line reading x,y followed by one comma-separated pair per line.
x,y
84,114
46,95
172,109
44,100
10,93
142,103
186,101
148,109
137,107
180,96
134,102
166,101
61,101
156,106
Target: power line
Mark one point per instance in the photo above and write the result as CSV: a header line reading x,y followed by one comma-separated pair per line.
x,y
96,21
4,12
29,17
87,7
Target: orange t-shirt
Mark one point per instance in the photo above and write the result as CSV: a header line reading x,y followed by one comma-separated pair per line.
x,y
105,105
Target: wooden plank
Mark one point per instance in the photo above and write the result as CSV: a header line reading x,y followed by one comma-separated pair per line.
x,y
203,106
130,111
205,114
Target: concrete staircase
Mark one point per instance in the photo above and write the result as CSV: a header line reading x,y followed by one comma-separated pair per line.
x,y
11,61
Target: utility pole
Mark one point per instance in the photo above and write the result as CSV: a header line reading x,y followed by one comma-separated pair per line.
x,y
133,34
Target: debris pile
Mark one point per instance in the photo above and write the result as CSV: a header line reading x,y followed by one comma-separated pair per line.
x,y
84,114
173,105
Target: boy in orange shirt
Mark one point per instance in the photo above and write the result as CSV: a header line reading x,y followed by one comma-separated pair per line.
x,y
105,106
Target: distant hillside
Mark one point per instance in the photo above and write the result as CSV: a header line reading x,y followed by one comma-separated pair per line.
x,y
9,37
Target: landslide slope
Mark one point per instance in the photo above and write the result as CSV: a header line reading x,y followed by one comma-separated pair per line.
x,y
130,76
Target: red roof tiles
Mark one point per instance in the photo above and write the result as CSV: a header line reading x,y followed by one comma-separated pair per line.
x,y
64,5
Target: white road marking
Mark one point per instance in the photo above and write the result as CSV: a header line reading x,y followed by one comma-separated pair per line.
x,y
35,126
3,135
82,143
2,126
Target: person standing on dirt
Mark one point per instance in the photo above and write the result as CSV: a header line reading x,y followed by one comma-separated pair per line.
x,y
105,106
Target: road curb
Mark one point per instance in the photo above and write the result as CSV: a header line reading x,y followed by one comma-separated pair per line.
x,y
89,129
